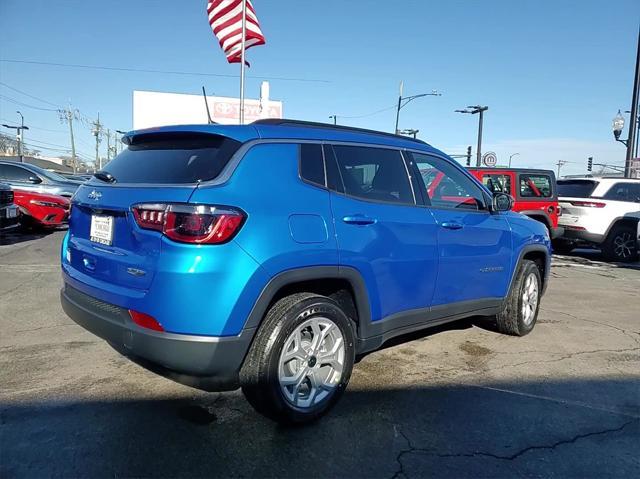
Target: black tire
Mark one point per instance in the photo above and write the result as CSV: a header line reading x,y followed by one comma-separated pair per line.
x,y
621,244
561,246
511,319
259,376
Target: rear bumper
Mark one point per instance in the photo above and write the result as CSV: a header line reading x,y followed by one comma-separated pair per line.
x,y
203,362
582,235
9,217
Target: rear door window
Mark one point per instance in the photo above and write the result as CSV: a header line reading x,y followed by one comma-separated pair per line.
x,y
375,174
497,183
624,192
576,188
172,159
535,186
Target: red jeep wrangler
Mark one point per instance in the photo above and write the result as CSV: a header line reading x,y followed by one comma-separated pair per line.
x,y
534,191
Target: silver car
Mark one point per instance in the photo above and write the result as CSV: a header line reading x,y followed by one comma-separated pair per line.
x,y
25,176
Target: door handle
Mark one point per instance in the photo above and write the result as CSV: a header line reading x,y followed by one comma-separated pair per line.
x,y
359,220
452,226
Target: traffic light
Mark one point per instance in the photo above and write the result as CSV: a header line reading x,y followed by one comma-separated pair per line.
x,y
468,156
590,163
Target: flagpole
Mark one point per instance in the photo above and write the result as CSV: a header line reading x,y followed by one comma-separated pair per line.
x,y
244,37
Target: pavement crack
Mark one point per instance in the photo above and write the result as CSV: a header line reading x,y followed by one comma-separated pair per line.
x,y
20,285
411,449
630,334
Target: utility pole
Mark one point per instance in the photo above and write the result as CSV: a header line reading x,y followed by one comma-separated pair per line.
x,y
335,119
108,135
19,135
97,132
67,116
560,164
473,110
634,115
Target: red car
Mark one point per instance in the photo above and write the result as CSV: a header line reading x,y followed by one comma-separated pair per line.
x,y
42,210
535,192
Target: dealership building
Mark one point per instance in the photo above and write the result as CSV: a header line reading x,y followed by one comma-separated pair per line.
x,y
152,109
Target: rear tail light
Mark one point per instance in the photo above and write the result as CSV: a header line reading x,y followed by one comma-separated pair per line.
x,y
588,204
199,224
145,321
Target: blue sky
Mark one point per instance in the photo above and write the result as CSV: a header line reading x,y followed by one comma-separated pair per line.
x,y
553,73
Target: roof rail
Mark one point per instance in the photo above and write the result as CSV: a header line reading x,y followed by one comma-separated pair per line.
x,y
313,124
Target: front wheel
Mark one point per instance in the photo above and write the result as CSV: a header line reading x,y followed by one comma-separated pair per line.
x,y
621,244
520,309
301,359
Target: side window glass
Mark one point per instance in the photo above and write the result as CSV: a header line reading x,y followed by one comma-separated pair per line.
x,y
535,186
15,173
624,192
447,186
312,164
497,183
334,180
376,174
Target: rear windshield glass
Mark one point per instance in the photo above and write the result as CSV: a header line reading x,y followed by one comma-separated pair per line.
x,y
172,158
576,188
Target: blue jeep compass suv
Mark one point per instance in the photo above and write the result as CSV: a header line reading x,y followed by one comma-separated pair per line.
x,y
269,256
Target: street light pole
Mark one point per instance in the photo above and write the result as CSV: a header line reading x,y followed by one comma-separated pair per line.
x,y
335,119
634,115
406,100
19,135
511,156
473,110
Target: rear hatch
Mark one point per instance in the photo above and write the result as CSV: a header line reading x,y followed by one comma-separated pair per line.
x,y
576,201
105,241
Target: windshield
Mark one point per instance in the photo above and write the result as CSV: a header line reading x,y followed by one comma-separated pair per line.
x,y
53,176
576,188
172,159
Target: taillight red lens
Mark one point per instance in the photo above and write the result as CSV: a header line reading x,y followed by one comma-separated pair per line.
x,y
589,204
200,224
145,321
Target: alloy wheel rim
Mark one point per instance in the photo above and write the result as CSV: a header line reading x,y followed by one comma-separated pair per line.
x,y
311,362
529,298
623,245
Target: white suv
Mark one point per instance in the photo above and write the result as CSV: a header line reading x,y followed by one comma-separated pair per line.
x,y
604,212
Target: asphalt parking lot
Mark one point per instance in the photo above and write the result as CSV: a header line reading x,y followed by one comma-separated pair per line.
x,y
460,401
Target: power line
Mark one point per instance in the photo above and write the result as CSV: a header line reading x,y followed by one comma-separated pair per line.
x,y
170,72
31,127
368,114
13,100
29,95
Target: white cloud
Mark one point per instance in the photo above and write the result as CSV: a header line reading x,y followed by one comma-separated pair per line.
x,y
546,152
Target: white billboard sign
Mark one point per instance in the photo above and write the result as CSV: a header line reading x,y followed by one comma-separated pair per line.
x,y
152,109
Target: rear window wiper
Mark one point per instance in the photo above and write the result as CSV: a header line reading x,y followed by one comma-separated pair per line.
x,y
104,176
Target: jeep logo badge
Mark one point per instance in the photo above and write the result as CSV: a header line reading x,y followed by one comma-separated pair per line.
x,y
95,195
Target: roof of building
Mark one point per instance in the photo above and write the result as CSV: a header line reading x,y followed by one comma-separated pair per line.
x,y
46,164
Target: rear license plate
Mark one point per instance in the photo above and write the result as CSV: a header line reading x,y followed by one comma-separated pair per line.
x,y
101,229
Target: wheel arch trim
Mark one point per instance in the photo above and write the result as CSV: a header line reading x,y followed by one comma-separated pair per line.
x,y
298,275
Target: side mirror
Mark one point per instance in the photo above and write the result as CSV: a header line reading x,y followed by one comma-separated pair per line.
x,y
502,202
35,180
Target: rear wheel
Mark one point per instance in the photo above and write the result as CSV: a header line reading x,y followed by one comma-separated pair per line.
x,y
621,244
520,310
301,359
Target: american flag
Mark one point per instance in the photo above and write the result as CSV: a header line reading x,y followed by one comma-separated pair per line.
x,y
225,18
